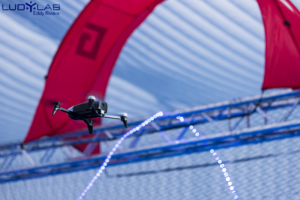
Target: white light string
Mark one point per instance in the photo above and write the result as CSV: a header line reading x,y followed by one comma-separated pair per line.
x,y
218,159
111,153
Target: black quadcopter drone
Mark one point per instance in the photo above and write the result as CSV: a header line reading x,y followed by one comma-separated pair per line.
x,y
88,110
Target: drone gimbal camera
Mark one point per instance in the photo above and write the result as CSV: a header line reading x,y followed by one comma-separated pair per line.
x,y
88,110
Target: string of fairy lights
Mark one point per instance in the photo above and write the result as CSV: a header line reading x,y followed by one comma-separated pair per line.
x,y
111,153
134,130
218,159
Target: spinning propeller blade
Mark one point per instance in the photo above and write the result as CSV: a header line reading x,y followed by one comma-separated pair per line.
x,y
56,107
124,120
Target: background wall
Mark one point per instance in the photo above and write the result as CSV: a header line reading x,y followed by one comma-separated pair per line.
x,y
187,53
262,171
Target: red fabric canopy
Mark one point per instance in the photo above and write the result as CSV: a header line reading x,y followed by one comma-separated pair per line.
x,y
84,61
282,31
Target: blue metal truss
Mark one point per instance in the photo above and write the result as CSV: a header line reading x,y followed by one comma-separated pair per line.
x,y
231,112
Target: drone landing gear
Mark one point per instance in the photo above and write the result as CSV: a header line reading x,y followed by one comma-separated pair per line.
x,y
89,123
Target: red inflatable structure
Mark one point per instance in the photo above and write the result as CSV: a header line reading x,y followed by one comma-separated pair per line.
x,y
282,32
85,59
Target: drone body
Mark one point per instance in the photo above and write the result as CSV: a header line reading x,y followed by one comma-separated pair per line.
x,y
88,110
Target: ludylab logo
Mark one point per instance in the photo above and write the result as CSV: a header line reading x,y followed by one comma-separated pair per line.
x,y
30,6
34,8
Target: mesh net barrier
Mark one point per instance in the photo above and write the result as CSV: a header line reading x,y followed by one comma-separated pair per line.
x,y
267,170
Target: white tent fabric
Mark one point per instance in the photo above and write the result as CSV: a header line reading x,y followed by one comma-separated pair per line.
x,y
185,54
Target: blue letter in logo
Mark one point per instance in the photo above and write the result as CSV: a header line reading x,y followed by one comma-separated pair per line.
x,y
23,7
4,8
30,5
56,7
11,8
38,7
48,7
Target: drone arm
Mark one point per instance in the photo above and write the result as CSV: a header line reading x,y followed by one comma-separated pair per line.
x,y
112,116
64,110
123,118
57,107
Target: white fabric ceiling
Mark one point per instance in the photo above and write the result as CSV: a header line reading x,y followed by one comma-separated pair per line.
x,y
187,53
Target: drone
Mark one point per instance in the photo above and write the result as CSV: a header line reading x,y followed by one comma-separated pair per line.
x,y
88,110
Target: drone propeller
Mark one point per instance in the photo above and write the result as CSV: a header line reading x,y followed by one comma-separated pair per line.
x,y
56,107
124,120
